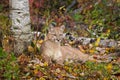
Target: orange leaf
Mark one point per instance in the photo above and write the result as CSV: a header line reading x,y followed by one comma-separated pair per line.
x,y
81,48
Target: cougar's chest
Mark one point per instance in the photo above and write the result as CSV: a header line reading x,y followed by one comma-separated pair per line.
x,y
51,49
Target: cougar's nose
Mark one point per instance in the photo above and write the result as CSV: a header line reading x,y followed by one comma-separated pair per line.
x,y
58,40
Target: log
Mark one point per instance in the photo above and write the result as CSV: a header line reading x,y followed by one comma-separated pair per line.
x,y
103,43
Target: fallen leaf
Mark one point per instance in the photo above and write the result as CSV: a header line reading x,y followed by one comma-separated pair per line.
x,y
81,48
45,63
109,67
30,49
97,41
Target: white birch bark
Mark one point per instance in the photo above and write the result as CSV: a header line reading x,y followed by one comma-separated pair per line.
x,y
21,28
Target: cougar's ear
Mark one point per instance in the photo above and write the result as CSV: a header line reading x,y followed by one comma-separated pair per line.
x,y
62,27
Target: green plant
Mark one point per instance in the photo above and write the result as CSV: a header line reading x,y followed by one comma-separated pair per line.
x,y
102,19
8,67
104,22
5,24
77,17
101,70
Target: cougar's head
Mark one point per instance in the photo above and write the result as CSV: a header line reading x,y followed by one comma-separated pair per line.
x,y
56,33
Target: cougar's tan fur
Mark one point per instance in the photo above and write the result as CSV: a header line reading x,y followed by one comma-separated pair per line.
x,y
52,50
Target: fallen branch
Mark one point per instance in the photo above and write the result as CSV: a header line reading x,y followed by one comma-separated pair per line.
x,y
103,43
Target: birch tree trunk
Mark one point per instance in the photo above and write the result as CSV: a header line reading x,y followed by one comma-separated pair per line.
x,y
21,28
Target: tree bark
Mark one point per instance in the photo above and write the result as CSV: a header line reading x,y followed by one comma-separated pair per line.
x,y
21,27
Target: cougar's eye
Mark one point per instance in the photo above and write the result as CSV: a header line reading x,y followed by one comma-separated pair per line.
x,y
54,34
60,34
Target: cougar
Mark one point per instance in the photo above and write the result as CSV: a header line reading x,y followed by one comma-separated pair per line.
x,y
51,50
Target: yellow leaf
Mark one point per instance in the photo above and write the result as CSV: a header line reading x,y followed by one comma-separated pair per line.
x,y
36,66
40,41
97,41
108,31
63,74
118,1
66,67
90,27
62,7
66,63
45,63
105,78
81,49
71,42
100,24
42,78
30,49
109,67
92,51
35,71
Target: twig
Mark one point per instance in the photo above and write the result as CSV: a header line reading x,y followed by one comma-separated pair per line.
x,y
71,5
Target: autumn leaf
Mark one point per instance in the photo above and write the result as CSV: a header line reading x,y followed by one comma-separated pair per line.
x,y
40,41
118,1
30,49
109,67
92,51
38,73
97,41
45,63
58,70
62,7
81,48
71,42
23,59
35,71
42,78
105,78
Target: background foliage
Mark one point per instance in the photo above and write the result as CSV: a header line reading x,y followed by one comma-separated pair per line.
x,y
102,17
87,18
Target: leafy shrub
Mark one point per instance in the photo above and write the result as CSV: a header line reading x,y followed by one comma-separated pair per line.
x,y
102,18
